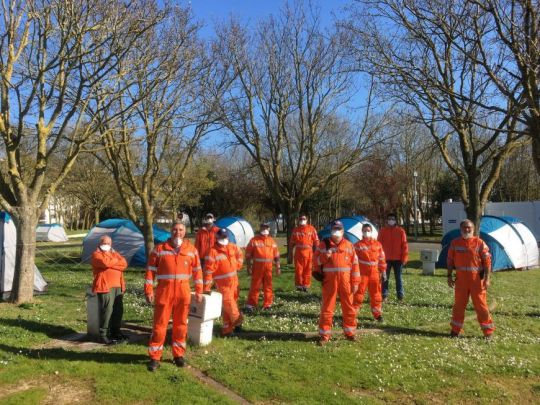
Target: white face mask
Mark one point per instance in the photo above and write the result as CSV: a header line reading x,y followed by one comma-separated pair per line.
x,y
338,233
105,248
367,234
391,222
177,242
223,242
265,232
466,235
208,221
303,222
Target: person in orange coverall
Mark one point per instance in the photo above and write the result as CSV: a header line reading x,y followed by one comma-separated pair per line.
x,y
172,263
206,236
469,256
108,267
261,253
372,271
394,242
341,275
221,265
304,240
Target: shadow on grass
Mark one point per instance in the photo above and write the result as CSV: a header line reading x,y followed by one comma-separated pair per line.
x,y
52,331
297,297
285,314
62,354
426,305
277,336
400,330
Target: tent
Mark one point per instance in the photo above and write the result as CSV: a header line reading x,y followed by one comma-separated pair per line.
x,y
239,230
51,233
8,244
352,227
511,243
127,239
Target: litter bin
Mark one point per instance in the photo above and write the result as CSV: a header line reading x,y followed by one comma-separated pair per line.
x,y
201,318
92,314
429,258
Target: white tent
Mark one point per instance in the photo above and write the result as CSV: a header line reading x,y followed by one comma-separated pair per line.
x,y
239,230
8,244
51,233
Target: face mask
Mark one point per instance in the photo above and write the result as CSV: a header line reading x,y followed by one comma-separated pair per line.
x,y
466,235
105,248
303,222
177,242
208,221
367,234
265,232
337,233
391,222
223,242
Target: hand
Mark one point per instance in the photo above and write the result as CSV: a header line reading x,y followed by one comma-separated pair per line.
x,y
249,270
355,288
404,263
451,282
150,299
278,271
198,298
328,254
486,282
383,276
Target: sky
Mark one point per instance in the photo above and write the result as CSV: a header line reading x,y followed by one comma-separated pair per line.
x,y
250,11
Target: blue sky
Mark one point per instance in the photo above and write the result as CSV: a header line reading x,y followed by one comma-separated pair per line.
x,y
250,11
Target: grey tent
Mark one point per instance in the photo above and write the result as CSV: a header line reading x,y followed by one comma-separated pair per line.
x,y
8,245
51,233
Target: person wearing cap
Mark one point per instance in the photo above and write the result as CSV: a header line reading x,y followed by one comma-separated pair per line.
x,y
336,259
304,240
221,266
108,267
172,264
396,250
205,237
261,254
372,271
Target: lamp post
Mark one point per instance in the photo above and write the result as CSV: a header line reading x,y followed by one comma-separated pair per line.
x,y
415,175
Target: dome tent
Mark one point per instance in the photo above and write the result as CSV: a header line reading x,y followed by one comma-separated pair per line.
x,y
51,233
511,243
352,227
8,245
127,240
239,230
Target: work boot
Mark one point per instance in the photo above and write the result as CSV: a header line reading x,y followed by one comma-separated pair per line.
x,y
268,308
179,361
248,310
153,365
104,340
237,329
299,288
351,338
322,341
488,337
379,319
454,335
120,338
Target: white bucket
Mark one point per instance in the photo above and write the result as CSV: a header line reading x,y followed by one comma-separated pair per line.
x,y
200,332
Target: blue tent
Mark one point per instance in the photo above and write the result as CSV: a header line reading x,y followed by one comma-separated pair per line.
x,y
127,239
511,243
352,226
239,230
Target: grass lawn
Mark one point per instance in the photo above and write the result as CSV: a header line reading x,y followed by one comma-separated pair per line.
x,y
411,361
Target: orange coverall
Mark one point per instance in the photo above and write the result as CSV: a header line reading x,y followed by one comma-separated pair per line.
x,y
304,238
341,275
172,268
372,264
263,251
221,265
204,240
468,257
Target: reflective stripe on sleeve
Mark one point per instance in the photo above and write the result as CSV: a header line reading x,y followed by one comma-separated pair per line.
x,y
228,275
165,253
263,260
464,268
198,281
148,281
151,268
173,276
336,269
367,263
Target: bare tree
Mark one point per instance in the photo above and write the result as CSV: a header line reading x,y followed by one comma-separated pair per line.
x,y
425,54
286,105
53,55
149,148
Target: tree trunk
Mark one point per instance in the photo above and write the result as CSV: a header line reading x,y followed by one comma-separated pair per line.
x,y
290,215
474,207
26,221
535,145
148,231
96,216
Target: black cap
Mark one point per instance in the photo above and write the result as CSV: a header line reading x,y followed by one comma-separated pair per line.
x,y
336,224
265,225
222,233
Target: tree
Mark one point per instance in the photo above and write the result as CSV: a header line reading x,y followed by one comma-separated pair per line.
x,y
53,56
425,54
148,149
286,105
